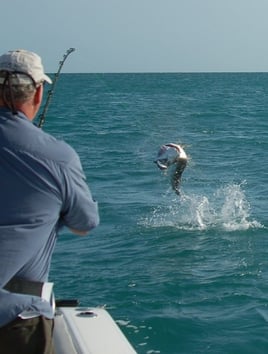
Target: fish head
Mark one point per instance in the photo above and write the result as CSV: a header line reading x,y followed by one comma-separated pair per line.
x,y
168,155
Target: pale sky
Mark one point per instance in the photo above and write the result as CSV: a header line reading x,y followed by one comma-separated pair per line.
x,y
140,35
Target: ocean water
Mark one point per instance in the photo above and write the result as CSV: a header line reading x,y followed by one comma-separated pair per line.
x,y
180,274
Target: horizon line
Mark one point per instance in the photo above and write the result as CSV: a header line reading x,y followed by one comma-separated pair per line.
x,y
163,72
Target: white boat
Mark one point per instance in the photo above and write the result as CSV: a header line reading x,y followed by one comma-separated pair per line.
x,y
77,330
91,330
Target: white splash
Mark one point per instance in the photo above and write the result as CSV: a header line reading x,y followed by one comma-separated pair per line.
x,y
226,209
235,211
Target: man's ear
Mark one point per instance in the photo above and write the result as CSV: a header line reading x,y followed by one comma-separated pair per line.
x,y
38,95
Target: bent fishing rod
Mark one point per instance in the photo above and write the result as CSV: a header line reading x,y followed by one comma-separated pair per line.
x,y
42,116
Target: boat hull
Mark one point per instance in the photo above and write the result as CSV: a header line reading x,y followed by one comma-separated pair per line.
x,y
88,331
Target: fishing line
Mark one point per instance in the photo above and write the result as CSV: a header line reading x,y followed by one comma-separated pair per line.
x,y
42,116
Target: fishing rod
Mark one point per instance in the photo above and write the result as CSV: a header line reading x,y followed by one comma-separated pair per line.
x,y
42,116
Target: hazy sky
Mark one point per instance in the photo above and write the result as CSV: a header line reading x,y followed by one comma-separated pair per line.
x,y
140,35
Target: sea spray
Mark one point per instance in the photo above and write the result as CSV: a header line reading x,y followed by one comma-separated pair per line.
x,y
226,209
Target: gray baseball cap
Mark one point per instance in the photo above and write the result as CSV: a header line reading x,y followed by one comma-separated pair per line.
x,y
23,63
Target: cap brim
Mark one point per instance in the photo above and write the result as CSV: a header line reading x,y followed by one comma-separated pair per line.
x,y
47,79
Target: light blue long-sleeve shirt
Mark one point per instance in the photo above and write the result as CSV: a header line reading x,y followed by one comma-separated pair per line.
x,y
42,187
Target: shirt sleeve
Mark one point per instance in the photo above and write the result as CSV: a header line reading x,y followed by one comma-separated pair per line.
x,y
20,302
79,210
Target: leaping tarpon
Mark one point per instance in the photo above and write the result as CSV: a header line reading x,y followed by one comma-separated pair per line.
x,y
175,156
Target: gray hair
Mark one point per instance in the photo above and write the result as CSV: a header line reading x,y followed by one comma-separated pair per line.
x,y
13,88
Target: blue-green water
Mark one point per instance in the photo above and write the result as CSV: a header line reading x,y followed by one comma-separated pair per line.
x,y
180,275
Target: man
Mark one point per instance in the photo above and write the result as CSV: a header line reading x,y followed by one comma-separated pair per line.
x,y
42,188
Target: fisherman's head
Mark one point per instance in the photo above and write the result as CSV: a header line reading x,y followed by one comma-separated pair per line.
x,y
21,79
